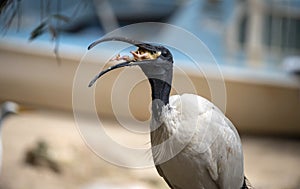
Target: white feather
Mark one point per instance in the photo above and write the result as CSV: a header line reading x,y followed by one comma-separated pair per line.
x,y
197,146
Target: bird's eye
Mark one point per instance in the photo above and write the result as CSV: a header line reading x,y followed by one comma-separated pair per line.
x,y
164,53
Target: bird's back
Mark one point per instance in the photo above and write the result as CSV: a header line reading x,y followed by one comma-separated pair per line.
x,y
197,146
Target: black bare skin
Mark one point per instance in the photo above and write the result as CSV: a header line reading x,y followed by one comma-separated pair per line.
x,y
159,72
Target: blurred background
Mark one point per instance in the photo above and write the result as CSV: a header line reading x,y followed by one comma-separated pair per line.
x,y
256,44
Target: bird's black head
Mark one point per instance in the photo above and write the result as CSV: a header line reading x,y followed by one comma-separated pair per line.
x,y
155,61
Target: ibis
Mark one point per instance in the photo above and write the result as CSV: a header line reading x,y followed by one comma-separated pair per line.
x,y
194,145
7,108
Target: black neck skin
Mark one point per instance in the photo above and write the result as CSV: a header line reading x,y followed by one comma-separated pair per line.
x,y
160,96
160,90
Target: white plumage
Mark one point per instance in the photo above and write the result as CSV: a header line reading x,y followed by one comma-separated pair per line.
x,y
213,157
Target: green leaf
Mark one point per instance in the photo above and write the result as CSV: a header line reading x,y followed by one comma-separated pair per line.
x,y
39,30
61,17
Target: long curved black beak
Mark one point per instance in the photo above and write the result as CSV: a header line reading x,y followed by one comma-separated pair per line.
x,y
123,64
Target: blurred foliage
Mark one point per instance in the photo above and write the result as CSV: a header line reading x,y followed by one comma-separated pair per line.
x,y
48,26
51,20
4,4
9,9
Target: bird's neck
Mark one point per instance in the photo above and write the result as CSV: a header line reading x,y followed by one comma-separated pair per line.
x,y
160,90
160,95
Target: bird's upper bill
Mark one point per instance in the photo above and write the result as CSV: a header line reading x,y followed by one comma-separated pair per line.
x,y
146,54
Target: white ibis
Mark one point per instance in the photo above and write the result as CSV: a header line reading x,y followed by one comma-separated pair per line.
x,y
6,109
193,144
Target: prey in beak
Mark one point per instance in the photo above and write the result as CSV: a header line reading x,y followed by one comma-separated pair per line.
x,y
147,56
138,55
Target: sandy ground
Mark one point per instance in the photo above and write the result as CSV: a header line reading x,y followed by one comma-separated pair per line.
x,y
269,163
